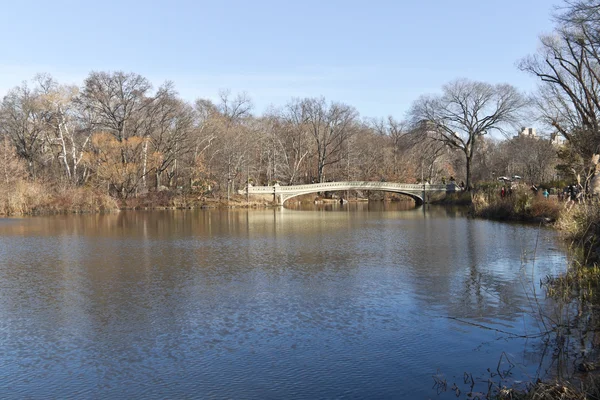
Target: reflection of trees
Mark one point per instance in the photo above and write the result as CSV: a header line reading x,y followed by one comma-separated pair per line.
x,y
473,268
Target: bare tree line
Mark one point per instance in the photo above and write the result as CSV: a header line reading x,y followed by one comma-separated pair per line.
x,y
567,65
121,135
116,132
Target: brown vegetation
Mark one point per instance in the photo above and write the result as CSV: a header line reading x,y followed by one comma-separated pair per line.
x,y
522,206
37,198
116,135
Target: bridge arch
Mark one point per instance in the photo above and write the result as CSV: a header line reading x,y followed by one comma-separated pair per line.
x,y
285,197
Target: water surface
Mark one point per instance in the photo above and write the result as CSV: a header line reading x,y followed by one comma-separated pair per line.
x,y
353,301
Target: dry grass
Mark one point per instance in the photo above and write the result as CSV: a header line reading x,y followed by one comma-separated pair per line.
x,y
171,200
458,199
545,208
521,206
79,200
27,197
22,198
579,282
544,391
580,220
575,293
581,225
502,209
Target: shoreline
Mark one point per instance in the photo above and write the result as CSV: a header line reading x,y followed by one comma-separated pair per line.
x,y
144,204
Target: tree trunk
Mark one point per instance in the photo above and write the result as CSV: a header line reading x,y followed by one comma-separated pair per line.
x,y
145,150
468,184
320,173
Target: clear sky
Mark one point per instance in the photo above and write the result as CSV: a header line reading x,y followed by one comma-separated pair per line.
x,y
376,55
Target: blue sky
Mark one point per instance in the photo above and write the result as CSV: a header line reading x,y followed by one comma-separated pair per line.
x,y
376,55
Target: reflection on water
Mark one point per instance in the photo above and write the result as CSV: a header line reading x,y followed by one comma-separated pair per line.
x,y
352,301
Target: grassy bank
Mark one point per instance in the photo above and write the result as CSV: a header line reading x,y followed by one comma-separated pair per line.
x,y
173,200
455,199
27,198
35,198
521,206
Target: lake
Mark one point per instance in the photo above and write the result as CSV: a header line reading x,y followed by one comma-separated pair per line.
x,y
336,301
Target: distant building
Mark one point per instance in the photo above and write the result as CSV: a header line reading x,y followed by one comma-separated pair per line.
x,y
557,139
527,132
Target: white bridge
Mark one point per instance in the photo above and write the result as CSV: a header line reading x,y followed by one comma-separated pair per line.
x,y
416,191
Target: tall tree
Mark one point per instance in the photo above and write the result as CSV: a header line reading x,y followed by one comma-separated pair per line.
x,y
464,112
117,99
292,139
396,132
568,66
23,120
330,127
121,104
170,133
228,151
532,158
64,133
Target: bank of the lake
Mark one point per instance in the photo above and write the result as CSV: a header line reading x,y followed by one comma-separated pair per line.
x,y
521,206
35,198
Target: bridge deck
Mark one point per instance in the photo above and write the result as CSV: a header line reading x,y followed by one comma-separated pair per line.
x,y
283,193
347,185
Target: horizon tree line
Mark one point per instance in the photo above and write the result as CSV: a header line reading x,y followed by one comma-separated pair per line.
x,y
118,133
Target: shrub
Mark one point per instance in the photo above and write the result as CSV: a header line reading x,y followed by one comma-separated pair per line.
x,y
522,205
545,208
27,197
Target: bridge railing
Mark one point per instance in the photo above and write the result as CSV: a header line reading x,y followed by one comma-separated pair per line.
x,y
332,186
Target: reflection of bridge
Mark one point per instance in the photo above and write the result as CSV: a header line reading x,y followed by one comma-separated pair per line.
x,y
416,191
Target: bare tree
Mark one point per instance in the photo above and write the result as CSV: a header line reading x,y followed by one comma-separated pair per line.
x,y
465,112
533,158
63,131
579,12
23,120
206,115
330,126
234,109
115,99
292,139
171,127
228,150
396,131
368,155
568,66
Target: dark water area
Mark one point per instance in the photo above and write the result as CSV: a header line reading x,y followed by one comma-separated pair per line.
x,y
337,301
